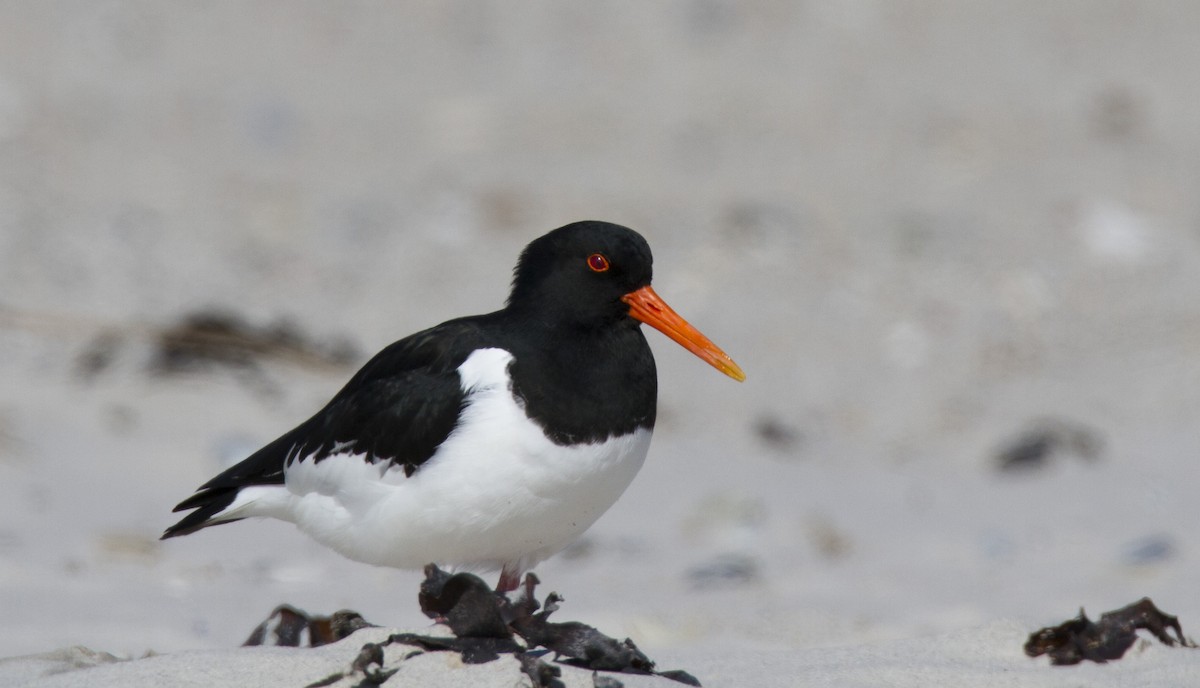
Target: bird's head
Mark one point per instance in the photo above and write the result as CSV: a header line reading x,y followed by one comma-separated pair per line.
x,y
596,274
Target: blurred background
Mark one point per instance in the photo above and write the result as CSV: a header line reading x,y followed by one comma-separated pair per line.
x,y
955,246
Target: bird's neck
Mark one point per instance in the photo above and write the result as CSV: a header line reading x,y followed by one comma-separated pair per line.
x,y
585,388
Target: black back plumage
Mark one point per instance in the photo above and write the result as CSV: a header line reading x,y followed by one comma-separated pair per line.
x,y
581,368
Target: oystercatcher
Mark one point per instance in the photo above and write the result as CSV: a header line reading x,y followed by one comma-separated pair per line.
x,y
486,442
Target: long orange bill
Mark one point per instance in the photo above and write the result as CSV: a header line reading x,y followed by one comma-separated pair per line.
x,y
649,308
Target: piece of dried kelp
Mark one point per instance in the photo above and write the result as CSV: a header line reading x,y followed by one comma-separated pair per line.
x,y
1033,448
215,338
288,626
486,624
1079,639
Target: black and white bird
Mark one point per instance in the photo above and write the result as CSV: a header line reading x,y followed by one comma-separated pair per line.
x,y
487,442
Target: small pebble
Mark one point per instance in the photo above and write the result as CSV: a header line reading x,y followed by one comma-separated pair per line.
x,y
725,570
1151,549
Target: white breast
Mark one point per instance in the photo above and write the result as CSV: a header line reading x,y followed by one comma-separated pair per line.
x,y
496,492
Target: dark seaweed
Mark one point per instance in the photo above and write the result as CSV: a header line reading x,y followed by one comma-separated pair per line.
x,y
1079,639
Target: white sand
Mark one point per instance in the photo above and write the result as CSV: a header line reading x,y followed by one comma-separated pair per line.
x,y
916,226
982,657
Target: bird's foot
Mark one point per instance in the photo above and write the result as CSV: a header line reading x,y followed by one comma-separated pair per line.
x,y
510,580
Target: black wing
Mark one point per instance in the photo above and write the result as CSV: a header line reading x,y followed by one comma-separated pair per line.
x,y
399,408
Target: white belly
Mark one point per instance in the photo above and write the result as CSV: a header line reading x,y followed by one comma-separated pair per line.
x,y
500,493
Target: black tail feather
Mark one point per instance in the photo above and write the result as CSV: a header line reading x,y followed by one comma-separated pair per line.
x,y
207,503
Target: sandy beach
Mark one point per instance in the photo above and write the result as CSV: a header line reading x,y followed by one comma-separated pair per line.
x,y
955,247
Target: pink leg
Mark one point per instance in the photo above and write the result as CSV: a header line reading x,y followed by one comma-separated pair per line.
x,y
510,579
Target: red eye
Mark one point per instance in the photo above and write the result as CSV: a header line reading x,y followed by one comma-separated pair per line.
x,y
597,262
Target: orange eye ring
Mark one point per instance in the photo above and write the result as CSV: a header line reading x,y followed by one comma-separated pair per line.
x,y
597,262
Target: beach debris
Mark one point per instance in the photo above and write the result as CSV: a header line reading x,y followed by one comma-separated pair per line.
x,y
469,605
487,624
1033,448
727,570
1149,550
369,664
469,609
99,355
1079,639
543,674
777,433
288,626
580,644
210,338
